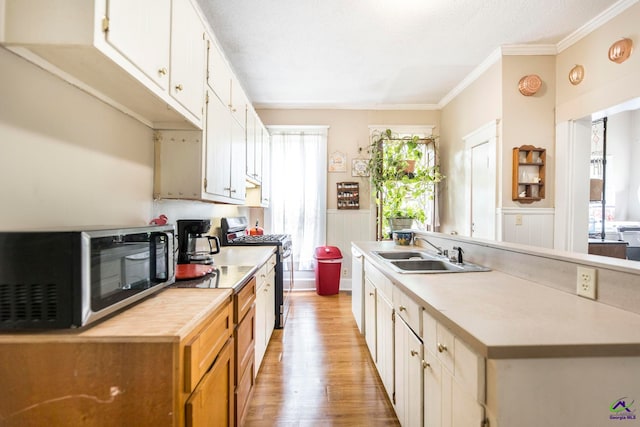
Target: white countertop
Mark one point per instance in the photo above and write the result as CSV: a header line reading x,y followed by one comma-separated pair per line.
x,y
502,316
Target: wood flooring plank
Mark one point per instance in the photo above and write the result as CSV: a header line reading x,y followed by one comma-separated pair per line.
x,y
317,371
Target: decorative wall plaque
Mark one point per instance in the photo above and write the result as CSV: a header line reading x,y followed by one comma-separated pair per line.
x,y
529,85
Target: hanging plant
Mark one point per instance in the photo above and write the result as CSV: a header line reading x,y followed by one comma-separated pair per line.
x,y
399,177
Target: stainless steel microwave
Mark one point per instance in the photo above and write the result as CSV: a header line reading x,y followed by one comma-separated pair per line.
x,y
58,279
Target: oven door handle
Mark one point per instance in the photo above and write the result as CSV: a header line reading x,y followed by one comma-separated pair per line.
x,y
286,253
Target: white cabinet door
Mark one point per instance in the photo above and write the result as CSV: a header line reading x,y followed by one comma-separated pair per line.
x,y
187,57
251,145
408,375
260,325
270,315
370,333
218,142
384,342
238,159
141,31
432,390
265,173
218,74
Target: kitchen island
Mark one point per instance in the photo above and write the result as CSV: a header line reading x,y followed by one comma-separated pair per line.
x,y
497,348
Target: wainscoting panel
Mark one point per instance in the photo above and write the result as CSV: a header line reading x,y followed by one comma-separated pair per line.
x,y
345,226
528,226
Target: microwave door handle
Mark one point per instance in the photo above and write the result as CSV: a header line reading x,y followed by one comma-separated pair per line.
x,y
153,262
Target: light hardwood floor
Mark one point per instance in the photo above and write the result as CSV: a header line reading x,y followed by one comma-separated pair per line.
x,y
317,371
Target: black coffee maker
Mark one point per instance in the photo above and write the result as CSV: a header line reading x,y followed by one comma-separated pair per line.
x,y
189,231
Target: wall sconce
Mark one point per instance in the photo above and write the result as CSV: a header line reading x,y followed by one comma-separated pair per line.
x,y
576,75
621,50
529,85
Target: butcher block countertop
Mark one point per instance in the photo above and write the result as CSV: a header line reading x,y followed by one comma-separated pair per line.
x,y
166,316
503,317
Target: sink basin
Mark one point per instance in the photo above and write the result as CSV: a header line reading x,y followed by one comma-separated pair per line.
x,y
404,255
425,265
424,262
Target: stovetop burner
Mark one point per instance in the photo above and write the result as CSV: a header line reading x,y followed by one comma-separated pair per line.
x,y
261,238
234,232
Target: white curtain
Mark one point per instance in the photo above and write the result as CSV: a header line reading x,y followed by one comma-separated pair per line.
x,y
298,189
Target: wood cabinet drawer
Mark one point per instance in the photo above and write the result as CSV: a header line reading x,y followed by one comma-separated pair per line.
x,y
243,391
244,300
408,309
212,402
201,351
245,342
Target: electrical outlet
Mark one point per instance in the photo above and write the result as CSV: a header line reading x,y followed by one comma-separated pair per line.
x,y
345,272
586,282
518,219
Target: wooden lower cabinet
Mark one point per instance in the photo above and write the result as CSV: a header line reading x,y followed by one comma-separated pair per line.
x,y
167,361
212,402
245,338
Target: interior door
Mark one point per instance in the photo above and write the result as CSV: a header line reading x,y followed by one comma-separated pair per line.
x,y
482,193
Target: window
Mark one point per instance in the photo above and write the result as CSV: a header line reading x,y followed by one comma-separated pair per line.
x,y
298,189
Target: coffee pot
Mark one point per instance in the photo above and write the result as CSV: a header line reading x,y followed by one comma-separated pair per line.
x,y
189,231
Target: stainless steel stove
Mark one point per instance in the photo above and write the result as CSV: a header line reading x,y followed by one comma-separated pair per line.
x,y
234,233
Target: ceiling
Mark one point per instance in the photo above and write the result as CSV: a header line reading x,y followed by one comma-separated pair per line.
x,y
380,53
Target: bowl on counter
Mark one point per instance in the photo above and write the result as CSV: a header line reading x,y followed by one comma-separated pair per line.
x,y
403,238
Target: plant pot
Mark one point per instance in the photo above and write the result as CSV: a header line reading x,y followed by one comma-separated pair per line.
x,y
400,223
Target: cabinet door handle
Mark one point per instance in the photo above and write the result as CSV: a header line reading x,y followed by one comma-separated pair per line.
x,y
179,87
162,71
442,348
402,308
414,353
425,364
370,294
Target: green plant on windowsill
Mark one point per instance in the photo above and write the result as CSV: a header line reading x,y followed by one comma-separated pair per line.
x,y
399,177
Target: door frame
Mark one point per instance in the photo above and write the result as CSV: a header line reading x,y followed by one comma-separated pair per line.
x,y
486,134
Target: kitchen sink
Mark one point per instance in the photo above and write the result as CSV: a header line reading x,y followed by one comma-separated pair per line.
x,y
425,265
419,262
404,255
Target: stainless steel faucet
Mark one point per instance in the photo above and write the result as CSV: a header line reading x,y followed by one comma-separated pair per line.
x,y
437,248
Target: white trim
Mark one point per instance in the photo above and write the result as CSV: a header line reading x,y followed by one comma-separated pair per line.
x,y
426,130
363,107
485,134
529,49
277,129
494,57
613,11
525,211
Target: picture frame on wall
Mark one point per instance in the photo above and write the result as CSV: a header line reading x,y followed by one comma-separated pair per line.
x,y
359,167
337,162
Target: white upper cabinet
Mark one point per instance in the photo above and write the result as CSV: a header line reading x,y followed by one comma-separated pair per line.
x,y
187,57
218,74
141,32
117,50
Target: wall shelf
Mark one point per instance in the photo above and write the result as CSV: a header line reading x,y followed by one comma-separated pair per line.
x,y
348,195
528,184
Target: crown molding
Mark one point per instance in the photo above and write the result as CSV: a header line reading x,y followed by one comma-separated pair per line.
x,y
301,106
471,77
613,11
529,49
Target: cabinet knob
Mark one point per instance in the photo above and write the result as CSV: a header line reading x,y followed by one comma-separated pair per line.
x,y
402,308
370,294
442,348
179,87
162,71
425,364
414,353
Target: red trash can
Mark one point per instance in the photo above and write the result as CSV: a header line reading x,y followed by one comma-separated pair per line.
x,y
328,264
